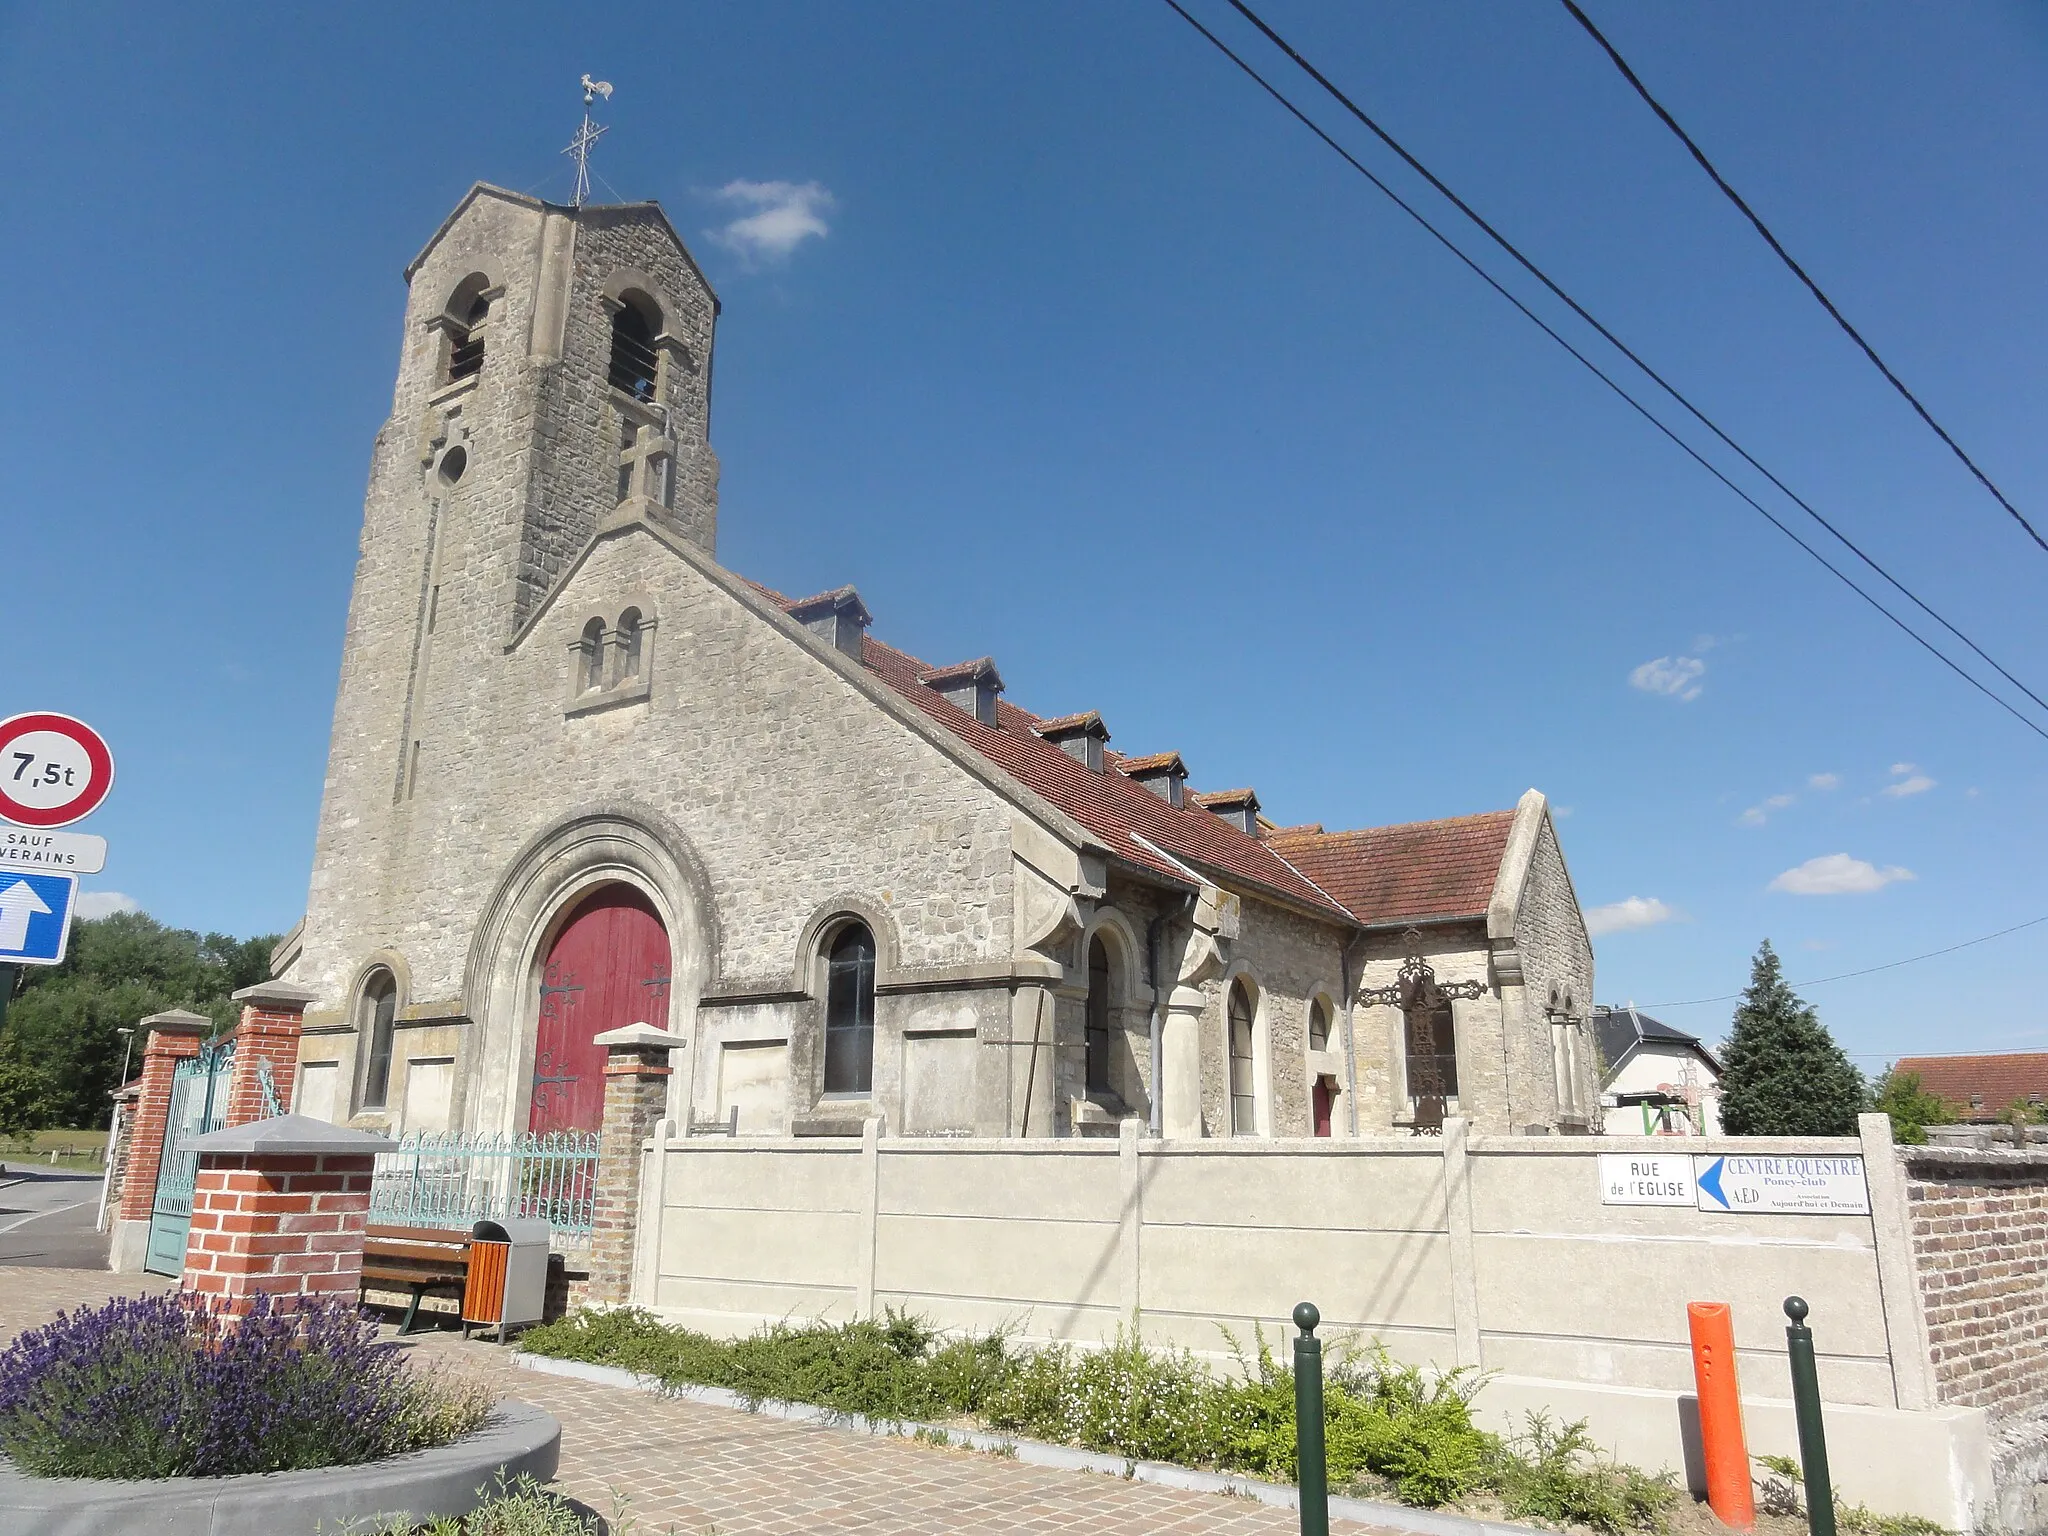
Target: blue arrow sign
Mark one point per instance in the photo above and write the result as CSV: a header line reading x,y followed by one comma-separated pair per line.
x,y
35,917
1709,1181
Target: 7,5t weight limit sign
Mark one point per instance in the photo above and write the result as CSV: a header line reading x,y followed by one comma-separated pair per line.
x,y
54,770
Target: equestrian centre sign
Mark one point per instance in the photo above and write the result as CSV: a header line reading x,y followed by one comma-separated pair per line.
x,y
1739,1184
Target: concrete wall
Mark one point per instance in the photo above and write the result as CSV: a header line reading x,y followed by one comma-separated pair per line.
x,y
1491,1253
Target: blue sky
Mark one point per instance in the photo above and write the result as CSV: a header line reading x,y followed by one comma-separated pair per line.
x,y
1065,345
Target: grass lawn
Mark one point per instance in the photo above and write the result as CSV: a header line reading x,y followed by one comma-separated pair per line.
x,y
76,1150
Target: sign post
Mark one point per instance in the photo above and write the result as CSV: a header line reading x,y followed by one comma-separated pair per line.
x,y
54,770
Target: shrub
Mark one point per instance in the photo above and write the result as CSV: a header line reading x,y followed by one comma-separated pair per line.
x,y
1387,1427
1553,1473
171,1386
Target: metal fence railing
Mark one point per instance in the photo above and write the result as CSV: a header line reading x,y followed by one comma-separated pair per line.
x,y
454,1178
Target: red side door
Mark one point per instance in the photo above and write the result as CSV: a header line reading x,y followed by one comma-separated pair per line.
x,y
1320,1102
607,968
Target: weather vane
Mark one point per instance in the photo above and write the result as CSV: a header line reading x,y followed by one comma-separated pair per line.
x,y
586,136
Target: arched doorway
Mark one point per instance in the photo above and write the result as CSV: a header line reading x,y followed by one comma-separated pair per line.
x,y
607,968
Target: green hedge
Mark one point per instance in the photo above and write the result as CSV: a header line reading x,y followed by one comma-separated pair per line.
x,y
1390,1429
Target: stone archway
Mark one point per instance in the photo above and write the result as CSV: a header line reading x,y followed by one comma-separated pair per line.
x,y
607,967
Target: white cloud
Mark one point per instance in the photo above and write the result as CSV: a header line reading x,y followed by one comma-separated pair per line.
x,y
1635,912
782,215
1913,784
1901,769
1824,781
1836,874
1675,677
93,904
1757,815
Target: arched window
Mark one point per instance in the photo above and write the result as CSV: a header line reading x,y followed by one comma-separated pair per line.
x,y
591,661
1244,1093
466,339
850,1012
1319,1024
376,1017
635,364
1432,1054
629,645
1097,1024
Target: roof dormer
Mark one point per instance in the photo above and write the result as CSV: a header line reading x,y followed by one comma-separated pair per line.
x,y
973,686
839,617
1163,773
1239,807
1081,737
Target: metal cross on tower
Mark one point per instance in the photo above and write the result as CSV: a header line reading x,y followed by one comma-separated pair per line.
x,y
1419,996
586,136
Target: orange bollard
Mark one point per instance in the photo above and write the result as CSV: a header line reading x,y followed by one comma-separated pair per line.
x,y
1729,1494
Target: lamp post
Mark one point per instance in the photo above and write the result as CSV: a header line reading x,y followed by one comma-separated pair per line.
x,y
127,1045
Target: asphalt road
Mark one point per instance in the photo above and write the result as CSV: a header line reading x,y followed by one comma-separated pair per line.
x,y
46,1218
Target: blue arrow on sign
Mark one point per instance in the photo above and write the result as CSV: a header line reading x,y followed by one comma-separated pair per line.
x,y
1710,1180
35,917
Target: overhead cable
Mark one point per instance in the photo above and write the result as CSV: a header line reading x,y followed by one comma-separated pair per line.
x,y
1889,965
1594,368
1797,270
1612,340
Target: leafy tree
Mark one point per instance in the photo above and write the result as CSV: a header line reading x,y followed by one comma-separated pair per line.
x,y
62,1026
1783,1074
1911,1107
24,1099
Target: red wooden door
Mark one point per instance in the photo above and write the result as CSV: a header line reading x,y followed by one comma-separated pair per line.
x,y
608,968
1321,1100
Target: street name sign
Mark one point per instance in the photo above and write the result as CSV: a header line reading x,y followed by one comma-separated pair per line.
x,y
54,770
35,917
1646,1178
1781,1186
73,853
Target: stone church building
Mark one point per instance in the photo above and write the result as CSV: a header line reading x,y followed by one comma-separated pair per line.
x,y
583,776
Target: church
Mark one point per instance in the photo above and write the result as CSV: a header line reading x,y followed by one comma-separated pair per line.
x,y
584,777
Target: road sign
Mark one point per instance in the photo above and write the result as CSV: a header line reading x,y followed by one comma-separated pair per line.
x,y
35,917
1783,1186
54,770
1646,1178
74,853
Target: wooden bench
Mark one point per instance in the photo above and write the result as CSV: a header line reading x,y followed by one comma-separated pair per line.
x,y
418,1259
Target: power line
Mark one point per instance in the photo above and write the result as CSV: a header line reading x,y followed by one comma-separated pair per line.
x,y
1889,965
1798,271
1612,340
1594,368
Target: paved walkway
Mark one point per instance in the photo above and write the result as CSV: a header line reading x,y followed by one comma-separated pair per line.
x,y
694,1470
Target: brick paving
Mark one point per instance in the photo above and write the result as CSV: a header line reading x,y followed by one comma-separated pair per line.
x,y
693,1470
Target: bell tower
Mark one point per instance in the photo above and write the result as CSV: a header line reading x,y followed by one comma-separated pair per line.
x,y
554,379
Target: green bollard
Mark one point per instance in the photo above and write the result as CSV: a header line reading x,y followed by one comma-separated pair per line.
x,y
1312,1475
1813,1439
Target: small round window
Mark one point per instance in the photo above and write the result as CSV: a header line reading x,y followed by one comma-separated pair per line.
x,y
453,463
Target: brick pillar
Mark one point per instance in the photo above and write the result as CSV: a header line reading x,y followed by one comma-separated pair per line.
x,y
280,1206
273,1016
635,1097
171,1038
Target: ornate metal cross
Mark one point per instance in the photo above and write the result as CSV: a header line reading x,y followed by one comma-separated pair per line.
x,y
1418,994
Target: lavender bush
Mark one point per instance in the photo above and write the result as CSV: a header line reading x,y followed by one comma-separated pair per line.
x,y
170,1386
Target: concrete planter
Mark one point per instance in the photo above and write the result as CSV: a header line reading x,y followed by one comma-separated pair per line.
x,y
517,1438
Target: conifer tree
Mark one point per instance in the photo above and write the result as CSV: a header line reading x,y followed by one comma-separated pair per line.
x,y
1782,1073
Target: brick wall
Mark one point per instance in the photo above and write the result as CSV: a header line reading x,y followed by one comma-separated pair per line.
x,y
1979,1234
287,1225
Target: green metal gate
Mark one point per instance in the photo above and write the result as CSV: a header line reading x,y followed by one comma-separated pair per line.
x,y
199,1103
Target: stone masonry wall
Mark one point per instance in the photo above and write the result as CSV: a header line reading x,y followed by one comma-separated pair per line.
x,y
1979,1231
1556,956
1289,959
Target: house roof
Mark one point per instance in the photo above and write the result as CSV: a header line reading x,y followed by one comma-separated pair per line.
x,y
1419,871
1980,1087
1621,1030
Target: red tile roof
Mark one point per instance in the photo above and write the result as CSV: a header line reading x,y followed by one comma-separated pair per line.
x,y
1992,1081
1422,869
1383,875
